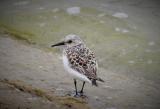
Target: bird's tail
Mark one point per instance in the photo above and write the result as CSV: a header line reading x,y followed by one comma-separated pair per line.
x,y
99,79
94,81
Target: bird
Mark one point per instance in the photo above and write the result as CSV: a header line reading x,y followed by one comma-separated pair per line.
x,y
79,61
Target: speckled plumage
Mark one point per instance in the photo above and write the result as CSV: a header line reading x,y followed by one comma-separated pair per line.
x,y
79,60
82,59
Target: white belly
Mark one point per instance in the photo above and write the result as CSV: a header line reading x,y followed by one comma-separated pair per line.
x,y
73,72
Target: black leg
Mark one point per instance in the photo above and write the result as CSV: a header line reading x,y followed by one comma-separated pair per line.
x,y
75,83
82,88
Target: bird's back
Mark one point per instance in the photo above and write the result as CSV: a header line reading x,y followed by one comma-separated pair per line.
x,y
82,59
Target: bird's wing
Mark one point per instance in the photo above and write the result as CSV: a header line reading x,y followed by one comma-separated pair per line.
x,y
83,61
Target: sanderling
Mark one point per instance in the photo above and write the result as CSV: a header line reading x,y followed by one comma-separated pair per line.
x,y
79,61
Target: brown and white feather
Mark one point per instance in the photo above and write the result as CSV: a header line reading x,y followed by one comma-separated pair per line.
x,y
82,60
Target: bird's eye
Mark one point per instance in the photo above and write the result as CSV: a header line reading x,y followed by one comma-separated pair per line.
x,y
70,41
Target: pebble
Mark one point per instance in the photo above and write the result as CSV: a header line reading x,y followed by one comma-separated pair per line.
x,y
123,30
32,98
136,45
151,43
41,8
42,24
107,87
73,10
120,15
59,89
101,15
55,10
40,67
131,62
101,21
97,98
117,29
147,50
149,62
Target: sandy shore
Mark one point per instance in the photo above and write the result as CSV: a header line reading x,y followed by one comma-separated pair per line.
x,y
26,78
41,70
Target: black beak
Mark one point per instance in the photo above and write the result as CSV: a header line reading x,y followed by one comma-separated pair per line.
x,y
58,44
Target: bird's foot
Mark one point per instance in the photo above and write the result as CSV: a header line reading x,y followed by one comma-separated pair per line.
x,y
76,95
81,94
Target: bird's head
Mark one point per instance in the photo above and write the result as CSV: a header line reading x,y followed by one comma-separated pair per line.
x,y
69,41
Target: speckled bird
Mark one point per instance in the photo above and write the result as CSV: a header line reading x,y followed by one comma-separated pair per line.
x,y
79,61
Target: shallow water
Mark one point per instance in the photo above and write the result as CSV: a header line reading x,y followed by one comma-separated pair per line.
x,y
124,35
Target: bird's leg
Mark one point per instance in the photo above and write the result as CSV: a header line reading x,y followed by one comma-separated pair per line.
x,y
75,83
82,88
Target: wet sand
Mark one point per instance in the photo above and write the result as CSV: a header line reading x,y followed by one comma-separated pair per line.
x,y
44,70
